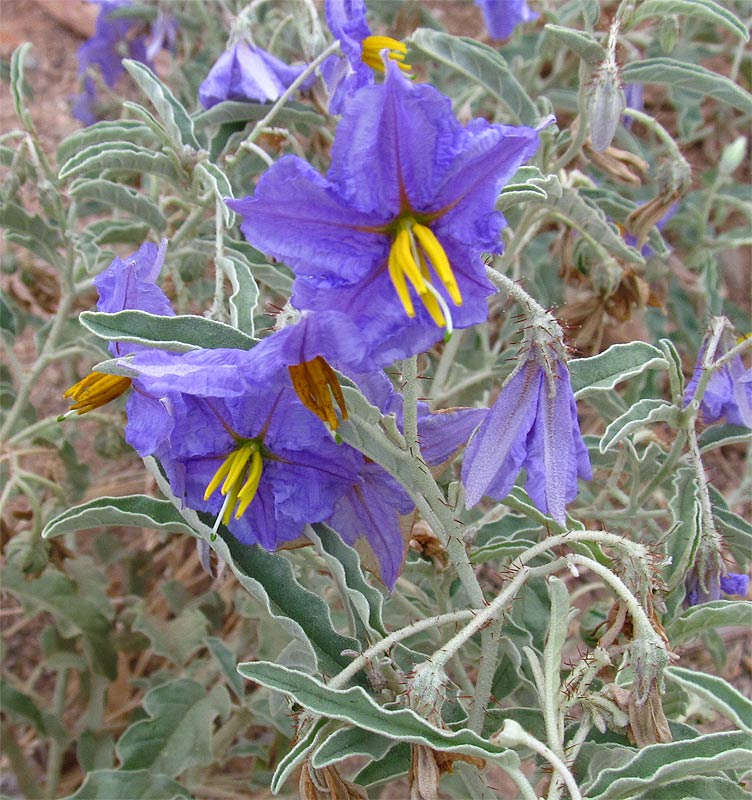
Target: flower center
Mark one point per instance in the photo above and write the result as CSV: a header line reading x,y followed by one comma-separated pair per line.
x,y
96,389
241,472
372,47
415,246
315,382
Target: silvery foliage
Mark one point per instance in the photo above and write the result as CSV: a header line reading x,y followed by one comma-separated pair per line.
x,y
552,652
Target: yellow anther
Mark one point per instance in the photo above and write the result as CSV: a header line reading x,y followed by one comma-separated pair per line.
x,y
250,487
438,258
240,459
96,389
219,476
429,298
400,284
373,47
315,382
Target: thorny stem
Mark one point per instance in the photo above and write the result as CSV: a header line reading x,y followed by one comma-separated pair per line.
x,y
410,405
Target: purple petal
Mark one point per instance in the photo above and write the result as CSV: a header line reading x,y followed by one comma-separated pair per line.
x,y
442,433
495,454
734,583
502,16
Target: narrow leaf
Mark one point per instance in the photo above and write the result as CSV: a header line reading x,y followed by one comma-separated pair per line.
x,y
116,784
480,64
178,334
717,614
691,78
114,194
699,9
641,414
716,692
582,43
347,742
121,157
620,362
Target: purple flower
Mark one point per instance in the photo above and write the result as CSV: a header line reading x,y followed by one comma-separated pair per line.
x,y
239,445
361,50
728,392
406,210
371,507
503,16
712,584
113,40
533,424
129,283
246,73
633,95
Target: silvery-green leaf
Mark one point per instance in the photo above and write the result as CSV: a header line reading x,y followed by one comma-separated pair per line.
x,y
592,222
138,510
480,64
297,753
121,157
73,611
716,614
227,663
293,115
177,122
178,735
19,706
698,9
18,86
358,708
7,317
722,435
394,764
347,742
686,514
690,77
621,361
715,788
124,130
277,277
500,549
366,601
119,196
178,334
118,784
176,639
110,231
245,293
31,231
639,416
581,42
658,764
221,187
716,692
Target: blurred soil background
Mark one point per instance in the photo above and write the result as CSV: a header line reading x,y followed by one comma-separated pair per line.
x,y
56,28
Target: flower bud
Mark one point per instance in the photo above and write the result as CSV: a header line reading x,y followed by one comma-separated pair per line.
x,y
606,104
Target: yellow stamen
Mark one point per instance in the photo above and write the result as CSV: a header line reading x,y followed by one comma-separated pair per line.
x,y
241,472
414,246
438,258
373,46
96,389
315,382
250,487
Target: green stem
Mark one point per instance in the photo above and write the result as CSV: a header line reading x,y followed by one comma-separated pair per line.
x,y
55,753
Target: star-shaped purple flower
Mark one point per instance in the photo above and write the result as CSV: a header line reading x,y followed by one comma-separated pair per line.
x,y
403,215
533,424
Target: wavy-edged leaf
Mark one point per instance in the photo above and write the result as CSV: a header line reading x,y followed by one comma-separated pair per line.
x,y
480,64
689,77
277,277
177,122
293,115
358,708
245,292
114,194
367,602
124,130
393,764
580,42
736,531
109,231
178,334
716,692
698,9
30,231
641,414
716,788
178,735
138,510
74,613
722,435
658,764
620,362
716,614
19,706
116,784
347,742
18,87
227,663
221,186
686,516
297,754
121,157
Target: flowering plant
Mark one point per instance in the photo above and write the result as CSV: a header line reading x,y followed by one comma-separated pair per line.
x,y
428,466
